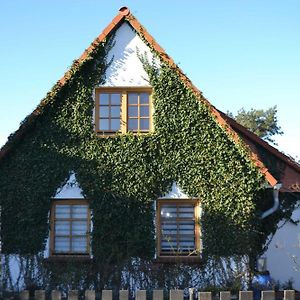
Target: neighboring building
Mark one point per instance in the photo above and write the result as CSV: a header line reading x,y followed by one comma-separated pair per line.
x,y
283,254
124,137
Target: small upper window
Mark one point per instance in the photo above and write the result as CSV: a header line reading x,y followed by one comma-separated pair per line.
x,y
123,110
70,223
178,229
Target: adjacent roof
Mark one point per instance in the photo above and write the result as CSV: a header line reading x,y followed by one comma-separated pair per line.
x,y
290,176
290,170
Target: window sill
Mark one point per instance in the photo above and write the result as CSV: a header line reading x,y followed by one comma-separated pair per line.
x,y
178,259
68,259
102,134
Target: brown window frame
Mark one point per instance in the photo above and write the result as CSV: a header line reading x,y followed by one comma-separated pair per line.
x,y
56,202
197,233
124,116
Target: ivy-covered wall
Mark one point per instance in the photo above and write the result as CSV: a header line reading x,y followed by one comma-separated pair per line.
x,y
122,175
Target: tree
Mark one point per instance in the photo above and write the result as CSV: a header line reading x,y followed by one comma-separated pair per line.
x,y
263,123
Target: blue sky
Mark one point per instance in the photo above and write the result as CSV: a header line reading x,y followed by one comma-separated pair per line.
x,y
239,53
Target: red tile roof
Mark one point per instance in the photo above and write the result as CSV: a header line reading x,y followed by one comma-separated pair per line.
x,y
290,178
231,127
252,136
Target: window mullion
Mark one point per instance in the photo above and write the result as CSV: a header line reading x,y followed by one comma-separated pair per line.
x,y
150,113
109,112
177,225
124,113
159,227
70,228
87,232
97,114
138,113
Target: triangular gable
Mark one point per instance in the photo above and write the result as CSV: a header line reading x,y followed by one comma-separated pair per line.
x,y
124,66
175,193
125,15
70,190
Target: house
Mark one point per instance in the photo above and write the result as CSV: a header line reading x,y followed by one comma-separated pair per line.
x,y
283,254
125,138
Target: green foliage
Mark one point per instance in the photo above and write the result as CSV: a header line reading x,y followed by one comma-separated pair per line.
x,y
264,123
218,274
115,240
208,164
122,175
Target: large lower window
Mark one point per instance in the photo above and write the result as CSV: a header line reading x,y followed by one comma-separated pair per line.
x,y
70,224
123,110
178,232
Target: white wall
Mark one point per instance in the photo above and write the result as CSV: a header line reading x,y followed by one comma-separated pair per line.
x,y
71,189
126,68
283,254
175,193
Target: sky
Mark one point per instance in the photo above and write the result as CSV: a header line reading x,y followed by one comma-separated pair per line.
x,y
239,53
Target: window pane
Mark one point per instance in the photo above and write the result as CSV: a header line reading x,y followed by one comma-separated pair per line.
x,y
103,99
169,228
177,234
144,111
62,244
115,124
79,211
79,228
104,111
169,244
132,111
186,242
115,99
186,208
186,227
132,124
186,211
62,211
186,215
104,124
115,111
144,124
168,211
133,98
62,227
79,244
144,98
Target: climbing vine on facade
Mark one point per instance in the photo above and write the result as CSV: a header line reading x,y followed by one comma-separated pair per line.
x,y
123,175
